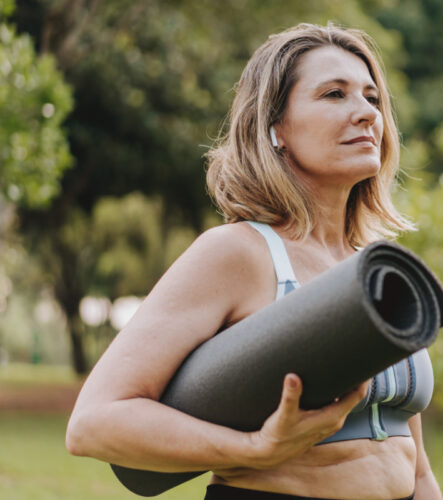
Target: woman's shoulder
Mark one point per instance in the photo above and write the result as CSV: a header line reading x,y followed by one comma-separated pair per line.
x,y
236,257
225,267
228,253
236,240
236,249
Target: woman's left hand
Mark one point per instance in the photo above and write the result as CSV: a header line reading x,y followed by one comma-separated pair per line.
x,y
291,431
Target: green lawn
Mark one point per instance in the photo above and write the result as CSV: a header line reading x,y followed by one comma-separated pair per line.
x,y
26,374
34,465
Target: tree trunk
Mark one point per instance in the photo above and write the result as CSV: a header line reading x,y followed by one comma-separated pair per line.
x,y
79,361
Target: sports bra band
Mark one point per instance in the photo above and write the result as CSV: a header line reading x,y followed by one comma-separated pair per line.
x,y
286,280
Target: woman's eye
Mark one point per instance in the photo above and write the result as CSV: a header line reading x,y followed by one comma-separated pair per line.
x,y
334,94
373,100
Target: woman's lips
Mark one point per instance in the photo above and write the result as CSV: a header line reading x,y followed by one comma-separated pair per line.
x,y
362,139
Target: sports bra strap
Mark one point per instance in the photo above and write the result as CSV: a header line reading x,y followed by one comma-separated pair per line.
x,y
282,264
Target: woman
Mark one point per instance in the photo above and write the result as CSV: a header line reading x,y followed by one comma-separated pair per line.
x,y
311,154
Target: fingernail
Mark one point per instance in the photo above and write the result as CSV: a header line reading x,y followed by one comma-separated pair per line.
x,y
292,381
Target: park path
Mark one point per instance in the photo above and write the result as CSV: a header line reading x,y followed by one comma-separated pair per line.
x,y
39,398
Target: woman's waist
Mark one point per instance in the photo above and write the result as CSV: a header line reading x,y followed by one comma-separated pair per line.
x,y
338,470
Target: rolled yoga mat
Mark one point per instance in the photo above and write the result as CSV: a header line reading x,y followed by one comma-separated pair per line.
x,y
366,313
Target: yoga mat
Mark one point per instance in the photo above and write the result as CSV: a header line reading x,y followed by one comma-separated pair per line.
x,y
366,313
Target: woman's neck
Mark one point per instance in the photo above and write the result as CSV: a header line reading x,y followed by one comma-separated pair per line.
x,y
330,205
328,234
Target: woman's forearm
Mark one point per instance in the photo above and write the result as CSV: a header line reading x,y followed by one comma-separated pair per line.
x,y
144,434
426,488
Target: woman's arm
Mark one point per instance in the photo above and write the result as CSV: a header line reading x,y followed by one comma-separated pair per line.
x,y
426,486
224,276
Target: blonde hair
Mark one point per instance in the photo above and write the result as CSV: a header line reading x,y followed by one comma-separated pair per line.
x,y
251,180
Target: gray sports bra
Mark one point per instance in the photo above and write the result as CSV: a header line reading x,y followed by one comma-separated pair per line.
x,y
394,395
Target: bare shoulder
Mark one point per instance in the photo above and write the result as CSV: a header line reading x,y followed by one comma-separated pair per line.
x,y
235,241
217,281
240,253
223,254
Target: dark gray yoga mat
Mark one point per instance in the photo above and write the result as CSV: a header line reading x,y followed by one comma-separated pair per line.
x,y
348,324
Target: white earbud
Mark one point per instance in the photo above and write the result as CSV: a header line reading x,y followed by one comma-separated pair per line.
x,y
273,136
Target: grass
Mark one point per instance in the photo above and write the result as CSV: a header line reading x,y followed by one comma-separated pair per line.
x,y
26,374
34,464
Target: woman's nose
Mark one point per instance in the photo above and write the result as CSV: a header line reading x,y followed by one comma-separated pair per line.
x,y
363,110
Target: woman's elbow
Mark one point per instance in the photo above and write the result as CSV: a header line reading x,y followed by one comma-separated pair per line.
x,y
77,436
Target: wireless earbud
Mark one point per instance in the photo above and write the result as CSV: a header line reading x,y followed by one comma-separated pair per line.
x,y
273,136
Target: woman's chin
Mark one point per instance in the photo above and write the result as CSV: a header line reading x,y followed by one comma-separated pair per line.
x,y
366,170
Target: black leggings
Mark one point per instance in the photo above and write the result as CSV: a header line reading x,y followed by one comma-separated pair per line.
x,y
222,492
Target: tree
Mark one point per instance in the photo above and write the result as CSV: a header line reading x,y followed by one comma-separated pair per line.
x,y
151,83
34,151
421,200
419,24
34,102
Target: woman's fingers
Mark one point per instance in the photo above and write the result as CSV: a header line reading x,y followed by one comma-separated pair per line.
x,y
292,389
288,409
334,415
290,431
350,400
315,424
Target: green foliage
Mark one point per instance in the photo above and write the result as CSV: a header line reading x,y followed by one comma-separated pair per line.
x,y
33,329
423,204
34,101
6,8
154,80
132,250
128,239
419,25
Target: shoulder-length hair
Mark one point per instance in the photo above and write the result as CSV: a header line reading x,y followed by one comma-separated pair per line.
x,y
251,180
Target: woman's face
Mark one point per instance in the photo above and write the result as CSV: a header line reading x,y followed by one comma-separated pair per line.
x,y
332,128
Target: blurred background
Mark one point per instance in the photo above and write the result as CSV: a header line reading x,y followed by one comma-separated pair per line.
x,y
106,108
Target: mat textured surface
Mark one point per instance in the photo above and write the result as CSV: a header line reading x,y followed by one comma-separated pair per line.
x,y
345,326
